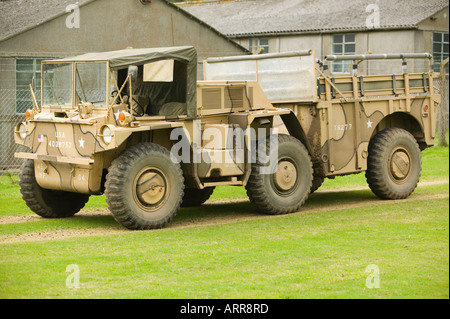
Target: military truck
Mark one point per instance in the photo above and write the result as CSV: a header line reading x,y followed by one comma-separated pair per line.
x,y
137,126
349,123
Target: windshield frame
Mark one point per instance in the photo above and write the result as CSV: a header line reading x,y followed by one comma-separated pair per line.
x,y
74,81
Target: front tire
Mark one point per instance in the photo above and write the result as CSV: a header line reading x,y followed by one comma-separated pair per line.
x,y
286,189
48,203
394,164
144,188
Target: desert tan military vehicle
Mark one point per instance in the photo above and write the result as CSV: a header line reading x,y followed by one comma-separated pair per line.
x,y
136,126
349,123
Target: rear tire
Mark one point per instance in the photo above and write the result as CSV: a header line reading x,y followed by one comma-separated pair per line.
x,y
286,189
144,188
48,203
195,197
394,164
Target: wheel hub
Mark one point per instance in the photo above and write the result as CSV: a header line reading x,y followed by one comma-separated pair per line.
x,y
150,188
400,164
285,176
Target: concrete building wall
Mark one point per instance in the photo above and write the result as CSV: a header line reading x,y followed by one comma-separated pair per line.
x,y
117,24
437,22
393,41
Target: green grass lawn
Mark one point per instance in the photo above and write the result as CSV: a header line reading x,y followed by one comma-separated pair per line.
x,y
321,255
321,252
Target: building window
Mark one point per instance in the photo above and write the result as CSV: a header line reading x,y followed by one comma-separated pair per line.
x,y
28,70
343,44
440,50
258,44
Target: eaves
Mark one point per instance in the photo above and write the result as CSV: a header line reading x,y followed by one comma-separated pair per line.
x,y
321,31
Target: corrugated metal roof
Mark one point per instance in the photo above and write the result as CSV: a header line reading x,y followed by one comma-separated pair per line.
x,y
251,17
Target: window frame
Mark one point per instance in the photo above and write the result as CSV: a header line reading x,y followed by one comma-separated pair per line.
x,y
253,48
345,65
440,56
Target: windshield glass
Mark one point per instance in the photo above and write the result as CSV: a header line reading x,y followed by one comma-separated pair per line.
x,y
90,83
57,84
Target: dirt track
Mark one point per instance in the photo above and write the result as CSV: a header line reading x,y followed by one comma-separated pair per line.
x,y
185,223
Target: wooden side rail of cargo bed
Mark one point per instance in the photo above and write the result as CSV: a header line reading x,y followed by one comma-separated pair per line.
x,y
375,86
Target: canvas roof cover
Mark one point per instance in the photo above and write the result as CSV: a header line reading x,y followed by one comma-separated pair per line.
x,y
123,58
287,76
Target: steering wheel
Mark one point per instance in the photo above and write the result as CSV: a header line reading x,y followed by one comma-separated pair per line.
x,y
114,93
142,113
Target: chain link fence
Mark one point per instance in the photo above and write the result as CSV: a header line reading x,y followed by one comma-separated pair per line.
x,y
8,120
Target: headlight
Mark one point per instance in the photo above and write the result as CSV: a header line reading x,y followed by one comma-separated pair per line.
x,y
22,130
106,134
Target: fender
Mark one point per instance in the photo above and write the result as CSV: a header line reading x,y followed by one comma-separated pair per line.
x,y
295,129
